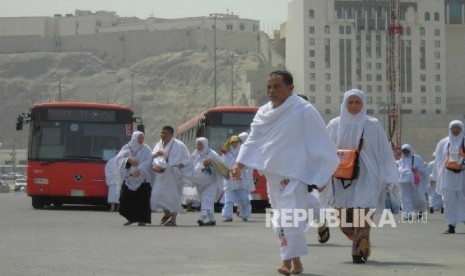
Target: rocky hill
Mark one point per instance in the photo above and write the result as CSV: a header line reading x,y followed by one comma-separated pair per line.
x,y
168,88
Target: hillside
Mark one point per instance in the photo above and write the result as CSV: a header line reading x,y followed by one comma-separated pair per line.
x,y
168,88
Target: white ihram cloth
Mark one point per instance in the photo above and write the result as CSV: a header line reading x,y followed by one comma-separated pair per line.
x,y
413,196
291,141
143,155
113,180
377,164
290,145
449,184
167,189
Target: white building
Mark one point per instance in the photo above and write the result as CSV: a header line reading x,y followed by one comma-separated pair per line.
x,y
335,45
225,22
87,22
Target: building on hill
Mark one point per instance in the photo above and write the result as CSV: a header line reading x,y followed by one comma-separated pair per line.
x,y
86,22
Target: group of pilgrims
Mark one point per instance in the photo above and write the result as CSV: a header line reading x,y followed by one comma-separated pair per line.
x,y
141,180
291,146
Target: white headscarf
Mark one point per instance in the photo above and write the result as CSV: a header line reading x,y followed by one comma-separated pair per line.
x,y
243,136
351,126
143,154
456,141
134,144
407,160
204,142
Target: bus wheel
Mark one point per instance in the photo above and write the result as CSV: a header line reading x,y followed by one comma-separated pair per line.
x,y
37,202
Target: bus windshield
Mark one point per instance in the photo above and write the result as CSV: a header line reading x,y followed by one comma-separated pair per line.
x,y
74,139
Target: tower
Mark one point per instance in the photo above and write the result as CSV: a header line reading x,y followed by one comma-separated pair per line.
x,y
393,72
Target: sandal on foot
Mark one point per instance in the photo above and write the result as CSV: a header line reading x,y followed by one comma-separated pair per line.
x,y
358,260
285,268
323,236
170,223
165,219
297,267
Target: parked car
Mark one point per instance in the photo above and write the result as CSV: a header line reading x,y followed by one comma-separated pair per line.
x,y
12,176
4,188
20,184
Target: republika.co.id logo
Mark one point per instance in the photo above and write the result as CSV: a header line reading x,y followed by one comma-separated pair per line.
x,y
333,218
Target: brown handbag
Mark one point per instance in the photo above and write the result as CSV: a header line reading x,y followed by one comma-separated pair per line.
x,y
348,168
455,166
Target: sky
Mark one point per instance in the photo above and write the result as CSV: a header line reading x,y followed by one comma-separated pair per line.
x,y
271,13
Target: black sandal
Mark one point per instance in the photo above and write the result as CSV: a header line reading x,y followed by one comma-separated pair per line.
x,y
323,236
358,260
165,219
170,223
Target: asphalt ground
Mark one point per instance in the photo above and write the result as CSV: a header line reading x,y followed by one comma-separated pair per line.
x,y
85,240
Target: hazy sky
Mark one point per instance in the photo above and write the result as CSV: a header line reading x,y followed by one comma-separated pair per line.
x,y
271,13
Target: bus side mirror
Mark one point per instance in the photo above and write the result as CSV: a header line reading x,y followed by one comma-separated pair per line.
x,y
200,128
140,127
19,122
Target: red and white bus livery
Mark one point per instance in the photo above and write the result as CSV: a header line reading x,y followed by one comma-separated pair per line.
x,y
217,125
69,144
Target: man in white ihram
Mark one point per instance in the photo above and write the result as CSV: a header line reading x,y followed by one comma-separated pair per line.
x,y
289,143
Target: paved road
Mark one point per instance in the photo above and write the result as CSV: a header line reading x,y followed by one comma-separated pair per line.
x,y
90,241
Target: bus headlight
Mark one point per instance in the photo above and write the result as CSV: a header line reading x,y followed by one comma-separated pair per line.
x,y
41,181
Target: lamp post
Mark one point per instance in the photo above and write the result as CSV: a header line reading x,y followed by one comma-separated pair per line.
x,y
59,88
233,59
132,90
215,17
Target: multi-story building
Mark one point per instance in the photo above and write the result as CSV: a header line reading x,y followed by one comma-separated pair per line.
x,y
335,45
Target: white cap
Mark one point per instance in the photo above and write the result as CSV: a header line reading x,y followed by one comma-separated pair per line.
x,y
243,136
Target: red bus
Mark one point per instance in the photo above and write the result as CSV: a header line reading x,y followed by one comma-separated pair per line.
x,y
217,125
69,144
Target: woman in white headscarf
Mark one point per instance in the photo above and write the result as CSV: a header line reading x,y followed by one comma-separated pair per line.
x,y
208,181
412,182
235,191
377,168
135,162
450,184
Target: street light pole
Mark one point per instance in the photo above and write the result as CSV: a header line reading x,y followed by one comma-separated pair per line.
x,y
132,90
215,17
233,59
59,89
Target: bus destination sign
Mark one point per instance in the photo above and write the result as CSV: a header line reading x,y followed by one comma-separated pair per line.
x,y
76,114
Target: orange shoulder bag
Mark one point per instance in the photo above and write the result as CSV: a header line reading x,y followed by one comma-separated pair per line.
x,y
348,168
455,165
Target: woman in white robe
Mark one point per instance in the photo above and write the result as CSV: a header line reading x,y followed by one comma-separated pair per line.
x,y
377,168
451,184
413,191
135,160
235,191
207,180
171,158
